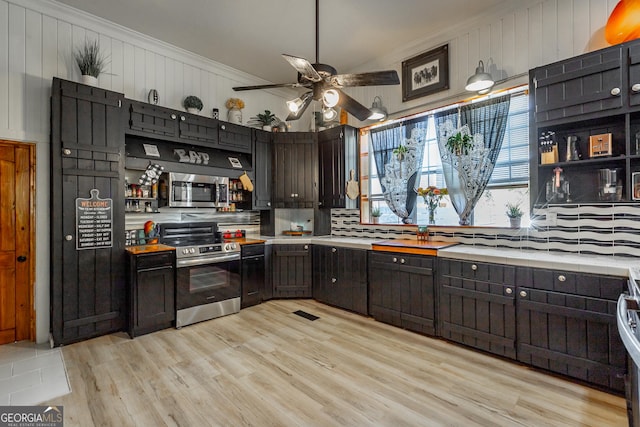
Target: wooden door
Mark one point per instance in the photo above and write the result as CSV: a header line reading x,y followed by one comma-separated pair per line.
x,y
17,164
262,170
634,74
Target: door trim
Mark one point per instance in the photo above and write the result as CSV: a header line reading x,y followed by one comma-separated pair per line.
x,y
31,258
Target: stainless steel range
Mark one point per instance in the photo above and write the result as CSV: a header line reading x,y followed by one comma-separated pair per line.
x,y
208,271
628,317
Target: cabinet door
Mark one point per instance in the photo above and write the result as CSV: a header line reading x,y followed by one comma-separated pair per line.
x,y
294,170
155,299
235,137
384,293
634,75
198,130
292,271
322,262
152,121
417,293
87,153
331,169
262,169
351,275
252,280
477,305
578,86
567,324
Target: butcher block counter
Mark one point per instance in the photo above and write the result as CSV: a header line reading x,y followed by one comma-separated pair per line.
x,y
148,249
419,247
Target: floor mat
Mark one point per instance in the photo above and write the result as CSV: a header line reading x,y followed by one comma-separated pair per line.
x,y
306,315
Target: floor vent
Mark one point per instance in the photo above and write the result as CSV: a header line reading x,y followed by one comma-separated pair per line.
x,y
306,315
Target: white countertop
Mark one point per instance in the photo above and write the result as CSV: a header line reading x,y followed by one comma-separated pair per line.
x,y
593,264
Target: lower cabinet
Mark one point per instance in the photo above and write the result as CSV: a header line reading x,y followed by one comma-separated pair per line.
x,y
253,273
402,290
567,324
291,271
477,305
340,277
151,292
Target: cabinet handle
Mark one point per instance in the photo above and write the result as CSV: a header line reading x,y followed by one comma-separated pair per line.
x,y
508,291
395,259
523,294
333,249
68,237
402,261
268,203
615,91
66,151
173,117
333,280
183,118
562,278
223,127
474,267
306,247
635,87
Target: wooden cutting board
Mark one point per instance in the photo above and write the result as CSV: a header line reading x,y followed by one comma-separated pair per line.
x,y
296,233
353,189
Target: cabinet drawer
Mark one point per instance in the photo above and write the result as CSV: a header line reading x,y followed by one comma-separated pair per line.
x,y
252,250
156,260
589,285
493,273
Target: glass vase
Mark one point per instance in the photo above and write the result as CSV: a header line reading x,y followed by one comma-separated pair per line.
x,y
432,216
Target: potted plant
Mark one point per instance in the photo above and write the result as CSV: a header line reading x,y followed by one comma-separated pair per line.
x,y
192,104
90,62
401,152
375,215
458,144
266,119
515,214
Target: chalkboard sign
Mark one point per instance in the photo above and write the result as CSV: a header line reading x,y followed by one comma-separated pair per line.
x,y
94,222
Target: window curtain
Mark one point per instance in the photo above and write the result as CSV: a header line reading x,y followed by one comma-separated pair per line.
x,y
467,175
398,175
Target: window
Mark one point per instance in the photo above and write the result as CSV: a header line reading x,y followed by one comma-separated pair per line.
x,y
508,183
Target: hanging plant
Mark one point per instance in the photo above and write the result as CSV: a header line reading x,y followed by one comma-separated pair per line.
x,y
459,144
401,152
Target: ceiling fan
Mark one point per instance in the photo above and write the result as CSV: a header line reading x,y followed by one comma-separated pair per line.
x,y
324,83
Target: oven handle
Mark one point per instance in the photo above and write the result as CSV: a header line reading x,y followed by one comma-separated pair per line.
x,y
215,259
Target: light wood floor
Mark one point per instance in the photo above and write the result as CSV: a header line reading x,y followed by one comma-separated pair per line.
x,y
268,367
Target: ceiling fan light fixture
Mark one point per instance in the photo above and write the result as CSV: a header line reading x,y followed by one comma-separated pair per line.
x,y
480,81
329,114
296,104
330,98
378,111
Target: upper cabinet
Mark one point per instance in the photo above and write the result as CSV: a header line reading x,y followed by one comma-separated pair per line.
x,y
337,167
156,122
585,128
295,170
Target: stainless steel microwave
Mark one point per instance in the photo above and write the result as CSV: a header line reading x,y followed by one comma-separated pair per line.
x,y
197,191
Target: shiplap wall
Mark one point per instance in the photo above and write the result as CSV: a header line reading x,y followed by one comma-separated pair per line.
x,y
510,40
37,38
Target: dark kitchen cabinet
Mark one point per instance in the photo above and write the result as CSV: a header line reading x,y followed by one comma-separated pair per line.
x,y
477,305
591,94
262,169
566,323
295,170
151,292
340,277
252,265
234,137
337,161
291,271
402,290
88,279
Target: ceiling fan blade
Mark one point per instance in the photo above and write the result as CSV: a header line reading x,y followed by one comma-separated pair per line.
x,y
306,100
304,67
376,78
270,86
356,109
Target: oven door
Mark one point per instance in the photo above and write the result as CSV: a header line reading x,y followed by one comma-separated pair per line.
x,y
206,281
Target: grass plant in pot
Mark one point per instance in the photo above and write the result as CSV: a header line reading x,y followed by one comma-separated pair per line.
x,y
375,215
90,61
515,214
192,104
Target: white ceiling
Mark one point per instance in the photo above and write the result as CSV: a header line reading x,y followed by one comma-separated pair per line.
x,y
250,35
